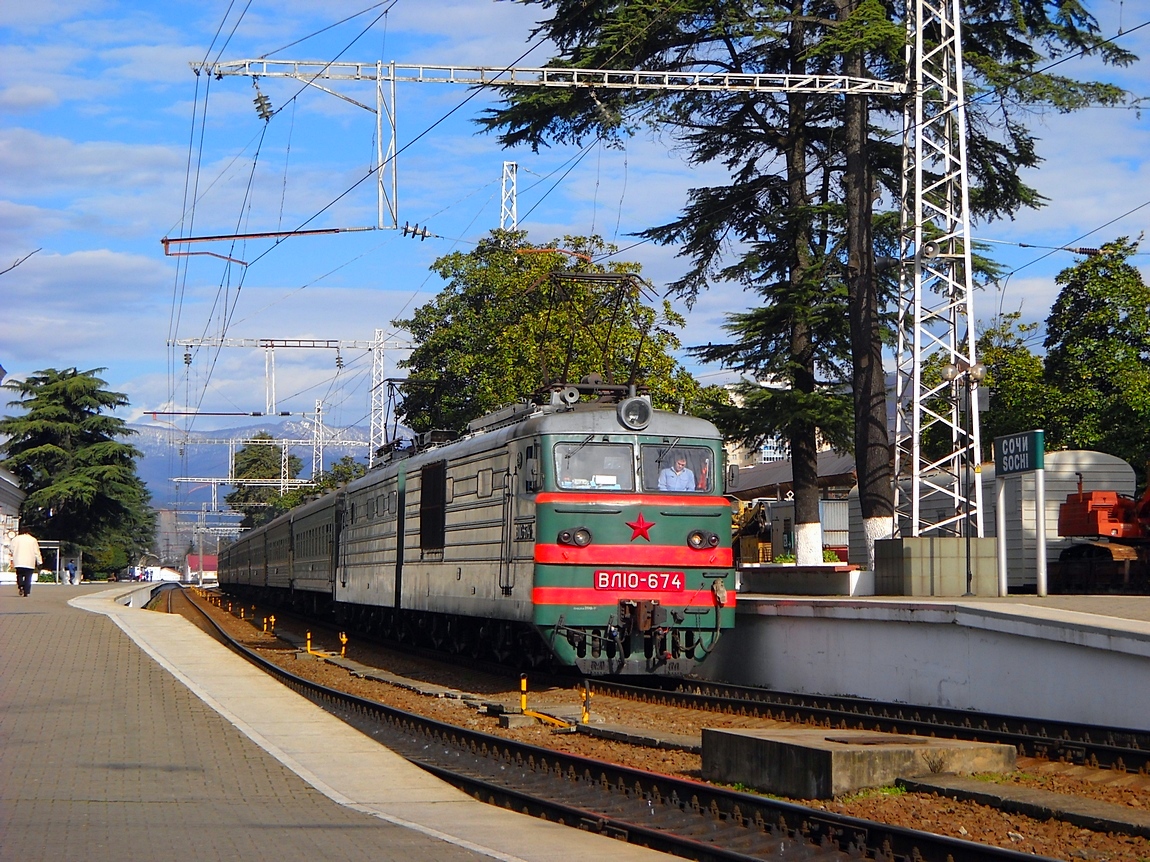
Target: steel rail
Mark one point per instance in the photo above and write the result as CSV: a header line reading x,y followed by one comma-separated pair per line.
x,y
1104,747
687,818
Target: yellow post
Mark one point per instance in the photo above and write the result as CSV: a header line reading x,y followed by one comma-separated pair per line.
x,y
241,612
229,607
309,641
272,618
342,644
265,624
587,695
523,692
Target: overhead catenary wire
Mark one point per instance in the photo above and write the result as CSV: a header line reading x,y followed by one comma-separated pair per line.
x,y
408,145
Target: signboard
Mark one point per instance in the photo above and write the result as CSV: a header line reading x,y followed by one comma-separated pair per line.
x,y
1019,453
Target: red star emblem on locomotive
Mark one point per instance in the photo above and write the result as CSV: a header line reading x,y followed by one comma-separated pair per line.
x,y
640,527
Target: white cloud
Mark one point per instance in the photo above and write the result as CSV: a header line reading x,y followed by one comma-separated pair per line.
x,y
45,13
27,97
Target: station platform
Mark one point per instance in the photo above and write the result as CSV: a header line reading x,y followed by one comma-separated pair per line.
x,y
128,734
1073,658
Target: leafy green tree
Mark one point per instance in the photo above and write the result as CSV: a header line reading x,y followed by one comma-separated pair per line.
x,y
515,319
1098,357
79,476
1020,398
261,503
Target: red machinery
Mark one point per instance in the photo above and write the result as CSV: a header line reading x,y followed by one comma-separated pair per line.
x,y
1123,521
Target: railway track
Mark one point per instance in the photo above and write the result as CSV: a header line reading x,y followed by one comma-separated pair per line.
x,y
1119,749
1106,748
687,818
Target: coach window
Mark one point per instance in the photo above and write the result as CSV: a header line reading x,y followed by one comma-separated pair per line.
x,y
433,505
674,468
531,469
483,483
594,466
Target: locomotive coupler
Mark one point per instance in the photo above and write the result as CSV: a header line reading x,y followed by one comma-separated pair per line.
x,y
641,616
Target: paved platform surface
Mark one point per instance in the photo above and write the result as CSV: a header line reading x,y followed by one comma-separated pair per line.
x,y
126,734
1118,623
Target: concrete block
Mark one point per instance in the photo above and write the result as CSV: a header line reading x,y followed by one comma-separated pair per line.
x,y
820,764
935,566
514,720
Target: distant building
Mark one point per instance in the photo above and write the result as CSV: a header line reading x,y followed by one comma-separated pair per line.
x,y
10,499
773,480
199,568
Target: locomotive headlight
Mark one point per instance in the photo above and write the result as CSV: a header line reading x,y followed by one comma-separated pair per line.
x,y
699,539
580,537
634,413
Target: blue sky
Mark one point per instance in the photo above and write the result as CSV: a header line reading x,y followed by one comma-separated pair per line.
x,y
104,129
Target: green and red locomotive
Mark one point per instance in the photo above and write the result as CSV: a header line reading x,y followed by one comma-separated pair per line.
x,y
591,530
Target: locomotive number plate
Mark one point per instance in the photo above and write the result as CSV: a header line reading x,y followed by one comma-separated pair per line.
x,y
661,581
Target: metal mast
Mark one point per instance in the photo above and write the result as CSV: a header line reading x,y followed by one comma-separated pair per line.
x,y
509,210
377,436
936,317
378,346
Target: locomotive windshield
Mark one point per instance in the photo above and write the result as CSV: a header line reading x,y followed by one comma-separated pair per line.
x,y
604,466
677,468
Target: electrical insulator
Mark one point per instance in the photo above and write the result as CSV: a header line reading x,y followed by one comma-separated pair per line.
x,y
338,359
188,358
416,231
263,106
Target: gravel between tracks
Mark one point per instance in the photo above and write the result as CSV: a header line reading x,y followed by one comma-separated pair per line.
x,y
927,812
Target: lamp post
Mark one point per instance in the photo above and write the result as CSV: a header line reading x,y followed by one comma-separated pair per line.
x,y
970,375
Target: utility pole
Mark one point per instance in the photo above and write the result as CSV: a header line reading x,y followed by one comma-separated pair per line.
x,y
935,313
378,347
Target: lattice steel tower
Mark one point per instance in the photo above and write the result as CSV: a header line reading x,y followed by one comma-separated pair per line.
x,y
936,316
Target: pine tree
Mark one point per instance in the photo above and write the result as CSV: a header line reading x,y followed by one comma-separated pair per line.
x,y
781,230
79,476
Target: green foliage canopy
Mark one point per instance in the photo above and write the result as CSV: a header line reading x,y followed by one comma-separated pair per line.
x,y
1098,357
1092,389
80,478
1020,398
514,319
797,210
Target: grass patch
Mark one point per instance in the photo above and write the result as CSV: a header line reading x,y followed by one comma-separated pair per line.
x,y
873,793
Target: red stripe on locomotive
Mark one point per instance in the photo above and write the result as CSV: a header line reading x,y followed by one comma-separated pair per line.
x,y
658,556
616,499
589,596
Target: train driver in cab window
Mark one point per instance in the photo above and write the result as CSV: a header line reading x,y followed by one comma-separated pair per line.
x,y
678,476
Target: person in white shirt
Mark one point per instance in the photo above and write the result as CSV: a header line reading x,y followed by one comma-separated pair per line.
x,y
26,559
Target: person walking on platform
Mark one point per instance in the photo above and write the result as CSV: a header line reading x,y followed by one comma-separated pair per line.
x,y
71,570
26,559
